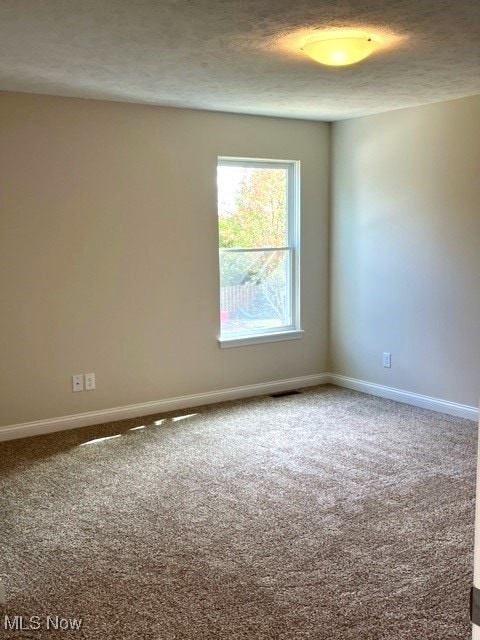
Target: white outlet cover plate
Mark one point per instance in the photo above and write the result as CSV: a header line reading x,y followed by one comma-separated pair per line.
x,y
89,381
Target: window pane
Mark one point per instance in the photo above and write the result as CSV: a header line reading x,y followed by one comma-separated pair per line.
x,y
254,291
252,206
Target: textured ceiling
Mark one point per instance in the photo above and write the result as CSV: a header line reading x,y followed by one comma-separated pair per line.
x,y
240,55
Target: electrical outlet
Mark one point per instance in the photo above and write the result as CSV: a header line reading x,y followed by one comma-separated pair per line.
x,y
89,381
387,360
77,382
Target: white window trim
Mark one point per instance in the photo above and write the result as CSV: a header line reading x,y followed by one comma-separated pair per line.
x,y
294,331
227,343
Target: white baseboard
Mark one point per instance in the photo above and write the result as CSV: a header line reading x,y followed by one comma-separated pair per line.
x,y
51,425
415,399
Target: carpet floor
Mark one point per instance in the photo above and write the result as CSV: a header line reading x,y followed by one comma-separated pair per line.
x,y
327,515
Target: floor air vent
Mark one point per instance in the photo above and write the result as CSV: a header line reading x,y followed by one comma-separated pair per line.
x,y
282,394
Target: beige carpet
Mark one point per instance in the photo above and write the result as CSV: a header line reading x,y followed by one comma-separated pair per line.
x,y
330,515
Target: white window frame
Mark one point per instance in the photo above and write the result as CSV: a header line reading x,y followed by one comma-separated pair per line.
x,y
292,331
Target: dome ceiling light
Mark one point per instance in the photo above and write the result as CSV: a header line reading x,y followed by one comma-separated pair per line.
x,y
339,51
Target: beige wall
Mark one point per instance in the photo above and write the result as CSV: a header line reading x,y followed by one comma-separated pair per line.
x,y
405,249
108,253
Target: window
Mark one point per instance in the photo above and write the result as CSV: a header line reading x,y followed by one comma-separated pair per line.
x,y
259,230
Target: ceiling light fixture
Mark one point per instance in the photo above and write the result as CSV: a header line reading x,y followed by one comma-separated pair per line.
x,y
339,51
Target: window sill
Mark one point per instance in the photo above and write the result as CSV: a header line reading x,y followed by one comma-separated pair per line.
x,y
226,343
